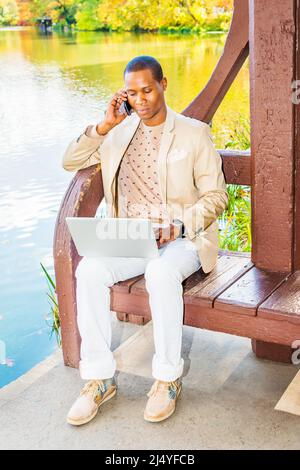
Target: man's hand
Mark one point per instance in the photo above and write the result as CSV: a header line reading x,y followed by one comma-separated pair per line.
x,y
165,235
112,115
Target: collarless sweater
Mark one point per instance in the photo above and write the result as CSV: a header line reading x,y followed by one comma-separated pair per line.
x,y
138,187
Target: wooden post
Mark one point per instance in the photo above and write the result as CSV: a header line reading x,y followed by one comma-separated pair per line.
x,y
272,45
275,170
271,351
296,251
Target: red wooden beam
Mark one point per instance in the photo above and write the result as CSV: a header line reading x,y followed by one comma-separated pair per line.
x,y
235,52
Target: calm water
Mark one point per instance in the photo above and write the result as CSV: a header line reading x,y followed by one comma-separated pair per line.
x,y
51,88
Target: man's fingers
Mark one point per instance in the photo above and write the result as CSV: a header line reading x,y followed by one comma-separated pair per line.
x,y
167,234
118,98
121,95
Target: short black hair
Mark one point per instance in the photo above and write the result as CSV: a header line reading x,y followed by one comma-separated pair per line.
x,y
143,62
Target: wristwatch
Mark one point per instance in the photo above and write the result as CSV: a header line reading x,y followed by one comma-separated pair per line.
x,y
180,224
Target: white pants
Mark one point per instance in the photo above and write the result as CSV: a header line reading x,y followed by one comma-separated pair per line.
x,y
163,277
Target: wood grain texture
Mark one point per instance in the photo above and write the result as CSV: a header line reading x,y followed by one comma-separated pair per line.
x,y
272,46
248,291
248,326
227,271
272,352
125,286
236,166
296,248
284,303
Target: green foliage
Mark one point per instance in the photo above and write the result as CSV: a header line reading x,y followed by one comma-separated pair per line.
x,y
239,134
9,14
236,220
235,234
39,8
86,16
54,323
158,15
62,12
175,16
65,12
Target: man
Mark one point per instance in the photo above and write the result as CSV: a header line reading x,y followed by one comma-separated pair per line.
x,y
161,165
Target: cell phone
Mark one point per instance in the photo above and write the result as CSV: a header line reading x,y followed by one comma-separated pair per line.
x,y
125,106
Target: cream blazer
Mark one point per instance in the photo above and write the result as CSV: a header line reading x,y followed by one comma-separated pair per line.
x,y
192,183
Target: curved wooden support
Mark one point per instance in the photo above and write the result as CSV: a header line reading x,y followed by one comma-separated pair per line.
x,y
236,50
82,198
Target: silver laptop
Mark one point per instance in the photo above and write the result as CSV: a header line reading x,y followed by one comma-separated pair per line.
x,y
99,237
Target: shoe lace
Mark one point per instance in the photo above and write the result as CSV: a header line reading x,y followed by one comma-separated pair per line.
x,y
160,386
93,387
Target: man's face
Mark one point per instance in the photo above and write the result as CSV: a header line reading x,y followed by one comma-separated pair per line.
x,y
145,94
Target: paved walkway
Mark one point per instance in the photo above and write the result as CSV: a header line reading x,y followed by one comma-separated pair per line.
x,y
227,401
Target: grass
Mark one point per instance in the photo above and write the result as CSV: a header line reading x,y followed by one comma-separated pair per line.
x,y
54,323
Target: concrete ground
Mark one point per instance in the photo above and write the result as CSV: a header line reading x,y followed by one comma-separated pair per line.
x,y
227,401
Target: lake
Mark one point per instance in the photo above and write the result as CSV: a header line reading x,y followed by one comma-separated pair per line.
x,y
51,88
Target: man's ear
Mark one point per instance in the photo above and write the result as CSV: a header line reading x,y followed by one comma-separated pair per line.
x,y
164,83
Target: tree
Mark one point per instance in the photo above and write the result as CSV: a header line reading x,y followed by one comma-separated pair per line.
x,y
9,14
128,15
40,8
63,12
87,17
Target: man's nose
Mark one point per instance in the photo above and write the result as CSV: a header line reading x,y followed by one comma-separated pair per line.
x,y
140,100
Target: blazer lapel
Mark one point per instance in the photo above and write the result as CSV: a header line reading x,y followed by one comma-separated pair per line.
x,y
166,141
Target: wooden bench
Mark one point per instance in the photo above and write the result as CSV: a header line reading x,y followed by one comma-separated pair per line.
x,y
236,298
253,295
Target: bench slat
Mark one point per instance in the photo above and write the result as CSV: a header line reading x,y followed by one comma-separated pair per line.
x,y
125,286
227,271
284,303
201,288
249,291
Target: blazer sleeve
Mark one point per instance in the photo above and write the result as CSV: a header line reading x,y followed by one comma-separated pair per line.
x,y
84,151
211,186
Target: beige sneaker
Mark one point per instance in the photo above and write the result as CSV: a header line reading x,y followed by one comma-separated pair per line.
x,y
93,394
162,400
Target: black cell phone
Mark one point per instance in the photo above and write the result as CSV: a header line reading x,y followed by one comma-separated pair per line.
x,y
125,105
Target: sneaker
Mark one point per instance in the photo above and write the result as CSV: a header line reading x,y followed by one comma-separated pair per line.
x,y
162,400
93,394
